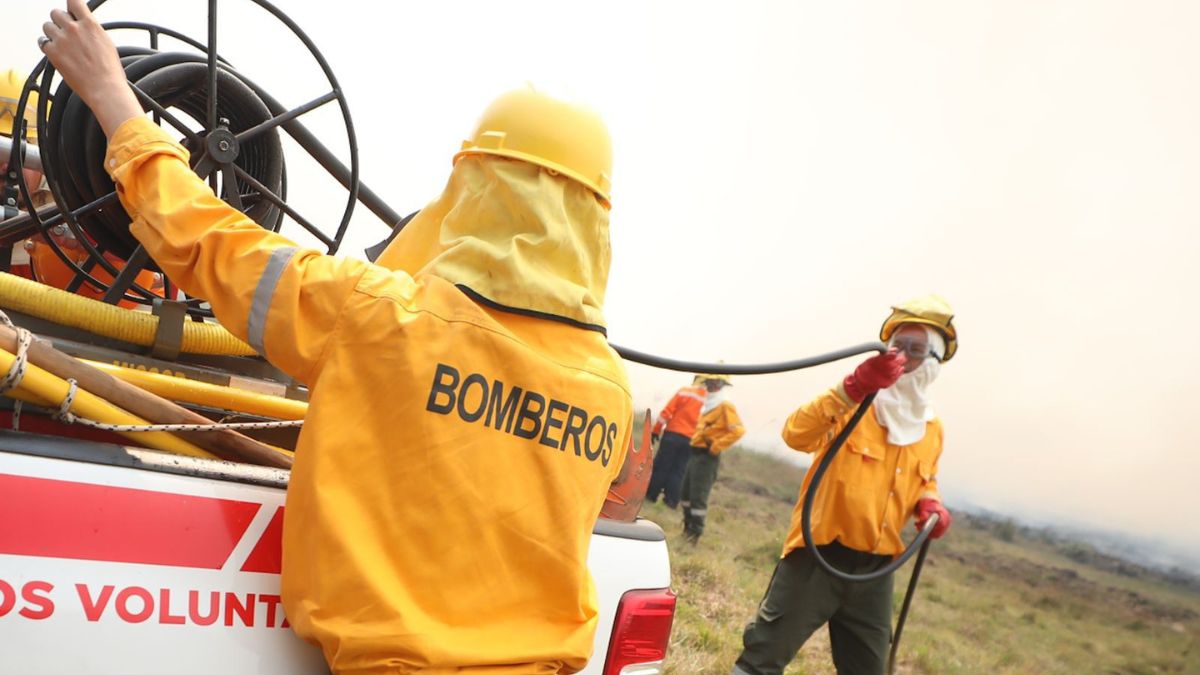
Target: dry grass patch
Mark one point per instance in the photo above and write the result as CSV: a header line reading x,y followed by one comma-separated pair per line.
x,y
991,599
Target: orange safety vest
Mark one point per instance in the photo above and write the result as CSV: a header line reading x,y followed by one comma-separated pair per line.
x,y
681,412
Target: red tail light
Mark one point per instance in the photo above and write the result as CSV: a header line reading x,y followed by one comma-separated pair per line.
x,y
641,633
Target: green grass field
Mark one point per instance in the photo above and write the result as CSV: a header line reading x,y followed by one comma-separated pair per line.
x,y
992,598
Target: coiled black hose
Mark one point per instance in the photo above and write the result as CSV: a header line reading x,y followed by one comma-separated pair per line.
x,y
177,81
229,124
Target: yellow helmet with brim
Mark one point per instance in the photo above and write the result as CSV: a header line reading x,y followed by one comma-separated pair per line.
x,y
931,310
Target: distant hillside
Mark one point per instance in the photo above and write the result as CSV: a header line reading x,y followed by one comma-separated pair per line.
x,y
1073,545
995,597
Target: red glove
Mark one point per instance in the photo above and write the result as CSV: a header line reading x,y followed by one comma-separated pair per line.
x,y
878,372
927,507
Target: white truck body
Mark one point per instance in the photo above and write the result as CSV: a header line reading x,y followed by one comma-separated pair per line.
x,y
120,560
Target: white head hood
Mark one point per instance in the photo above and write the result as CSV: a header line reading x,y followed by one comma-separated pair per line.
x,y
713,399
905,407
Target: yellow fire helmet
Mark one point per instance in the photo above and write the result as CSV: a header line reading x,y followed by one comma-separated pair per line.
x,y
931,310
563,137
720,378
11,83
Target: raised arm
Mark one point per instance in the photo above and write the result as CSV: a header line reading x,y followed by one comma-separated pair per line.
x,y
668,412
282,299
815,423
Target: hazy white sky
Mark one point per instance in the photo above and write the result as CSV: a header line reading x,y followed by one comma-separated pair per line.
x,y
785,171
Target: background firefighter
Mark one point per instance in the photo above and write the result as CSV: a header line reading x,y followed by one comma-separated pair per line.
x,y
11,202
466,413
673,433
886,472
33,258
718,429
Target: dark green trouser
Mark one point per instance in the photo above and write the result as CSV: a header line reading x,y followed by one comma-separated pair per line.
x,y
697,483
802,596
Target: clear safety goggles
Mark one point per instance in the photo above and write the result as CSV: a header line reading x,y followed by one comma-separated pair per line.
x,y
914,347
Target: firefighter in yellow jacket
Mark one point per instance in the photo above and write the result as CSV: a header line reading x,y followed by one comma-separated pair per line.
x,y
11,83
12,201
718,428
467,414
885,473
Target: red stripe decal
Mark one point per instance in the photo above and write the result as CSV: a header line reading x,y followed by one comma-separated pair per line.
x,y
40,424
82,521
267,555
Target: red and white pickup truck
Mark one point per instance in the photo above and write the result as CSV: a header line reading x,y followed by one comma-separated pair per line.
x,y
121,560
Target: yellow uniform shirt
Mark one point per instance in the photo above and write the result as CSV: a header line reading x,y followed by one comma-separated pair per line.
x,y
718,429
872,486
454,458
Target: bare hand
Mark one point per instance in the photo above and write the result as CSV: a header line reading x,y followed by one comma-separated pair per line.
x,y
85,56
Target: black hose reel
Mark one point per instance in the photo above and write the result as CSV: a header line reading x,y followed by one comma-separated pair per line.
x,y
230,126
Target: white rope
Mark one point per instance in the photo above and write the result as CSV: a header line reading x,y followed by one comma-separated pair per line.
x,y
64,413
17,372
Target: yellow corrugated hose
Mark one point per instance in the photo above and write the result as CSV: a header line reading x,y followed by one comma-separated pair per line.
x,y
43,388
118,323
203,393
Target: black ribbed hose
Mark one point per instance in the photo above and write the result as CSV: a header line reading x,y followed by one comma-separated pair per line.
x,y
810,497
176,81
230,125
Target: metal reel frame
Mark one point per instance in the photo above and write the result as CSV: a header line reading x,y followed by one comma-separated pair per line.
x,y
214,160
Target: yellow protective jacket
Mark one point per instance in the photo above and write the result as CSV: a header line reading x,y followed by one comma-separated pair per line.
x,y
872,486
718,429
454,458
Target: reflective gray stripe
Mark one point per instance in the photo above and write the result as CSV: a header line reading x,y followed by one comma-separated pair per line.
x,y
738,671
263,294
699,512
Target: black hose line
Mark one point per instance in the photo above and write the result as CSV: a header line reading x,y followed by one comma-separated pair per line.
x,y
749,369
908,596
826,459
810,497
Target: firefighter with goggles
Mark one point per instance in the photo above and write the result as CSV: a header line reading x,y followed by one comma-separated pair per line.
x,y
884,474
